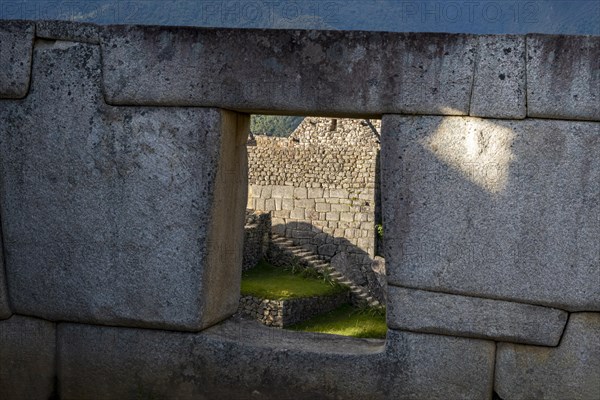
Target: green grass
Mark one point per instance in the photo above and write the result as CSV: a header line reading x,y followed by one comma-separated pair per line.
x,y
347,321
269,282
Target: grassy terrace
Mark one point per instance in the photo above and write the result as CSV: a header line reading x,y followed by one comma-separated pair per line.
x,y
269,282
347,321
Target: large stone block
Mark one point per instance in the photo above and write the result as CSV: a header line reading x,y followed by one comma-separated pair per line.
x,y
121,216
499,83
244,360
235,361
570,371
27,359
16,43
423,311
424,366
563,78
67,30
293,71
489,208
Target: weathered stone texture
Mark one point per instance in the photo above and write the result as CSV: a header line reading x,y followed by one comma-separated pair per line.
x,y
423,311
133,216
425,366
219,287
16,44
492,208
379,285
283,313
499,85
245,360
121,216
316,158
302,72
67,30
257,236
570,371
27,358
563,77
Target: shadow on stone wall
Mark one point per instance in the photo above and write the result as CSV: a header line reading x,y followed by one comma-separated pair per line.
x,y
257,237
344,256
378,208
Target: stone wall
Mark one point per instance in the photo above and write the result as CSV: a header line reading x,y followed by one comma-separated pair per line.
x,y
122,198
283,313
316,157
319,186
257,236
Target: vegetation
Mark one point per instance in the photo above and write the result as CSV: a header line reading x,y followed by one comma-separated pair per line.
x,y
347,321
275,283
269,282
379,229
274,125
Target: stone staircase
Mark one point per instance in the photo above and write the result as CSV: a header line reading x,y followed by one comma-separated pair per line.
x,y
308,259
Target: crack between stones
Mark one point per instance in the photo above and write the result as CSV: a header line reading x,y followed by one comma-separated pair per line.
x,y
474,74
525,88
480,297
29,83
102,77
562,334
493,394
55,395
3,261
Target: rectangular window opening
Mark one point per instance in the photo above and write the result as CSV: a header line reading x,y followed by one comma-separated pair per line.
x,y
312,257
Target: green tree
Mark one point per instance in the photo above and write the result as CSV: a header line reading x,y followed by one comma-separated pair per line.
x,y
274,125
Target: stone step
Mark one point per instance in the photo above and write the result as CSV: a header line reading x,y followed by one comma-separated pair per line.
x,y
301,253
281,240
321,265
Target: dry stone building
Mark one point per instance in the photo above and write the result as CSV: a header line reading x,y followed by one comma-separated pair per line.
x,y
123,189
320,186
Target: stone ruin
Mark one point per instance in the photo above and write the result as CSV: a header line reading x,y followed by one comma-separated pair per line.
x,y
321,187
123,188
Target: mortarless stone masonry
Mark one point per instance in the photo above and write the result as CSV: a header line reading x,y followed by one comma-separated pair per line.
x,y
4,308
132,214
319,186
27,358
423,311
125,201
257,236
508,210
16,45
283,313
570,371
